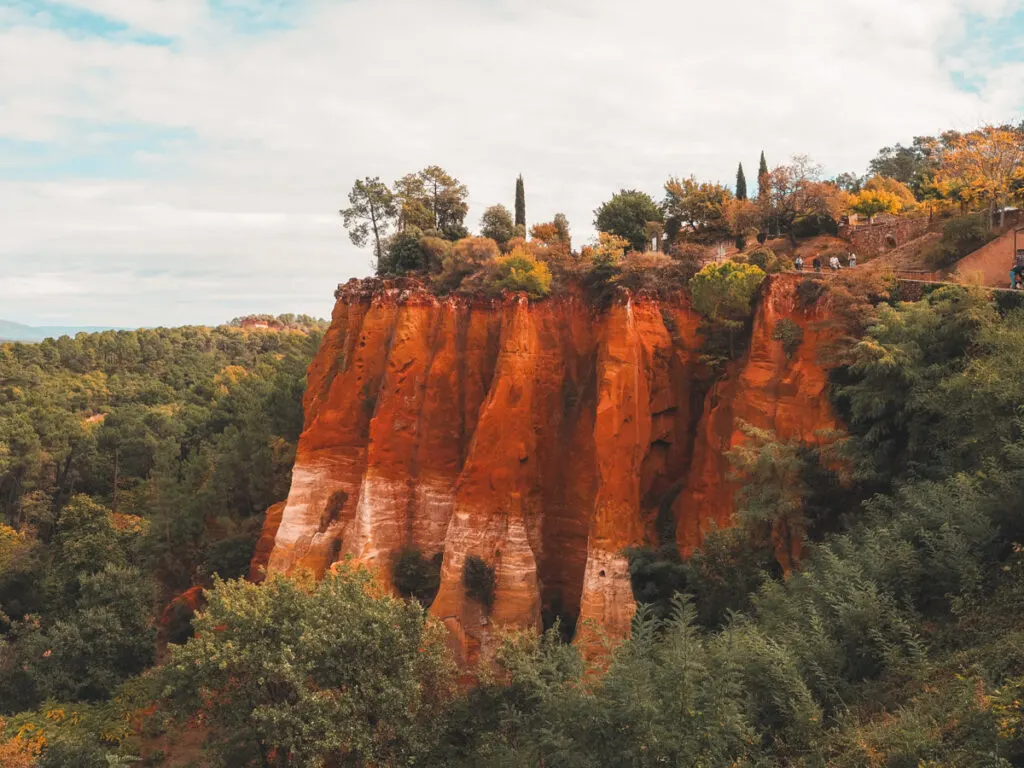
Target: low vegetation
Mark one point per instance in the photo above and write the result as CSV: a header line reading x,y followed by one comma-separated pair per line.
x,y
417,576
960,236
790,334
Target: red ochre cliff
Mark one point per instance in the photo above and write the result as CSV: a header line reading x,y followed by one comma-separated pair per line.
x,y
542,437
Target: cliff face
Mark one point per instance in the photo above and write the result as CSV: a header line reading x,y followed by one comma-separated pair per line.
x,y
767,389
543,438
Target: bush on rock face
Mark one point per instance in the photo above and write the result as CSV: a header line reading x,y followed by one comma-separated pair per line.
x,y
416,576
790,334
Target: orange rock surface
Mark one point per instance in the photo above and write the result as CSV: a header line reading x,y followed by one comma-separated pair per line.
x,y
543,437
265,543
765,389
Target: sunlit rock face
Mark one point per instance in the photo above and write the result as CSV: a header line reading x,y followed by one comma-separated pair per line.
x,y
543,437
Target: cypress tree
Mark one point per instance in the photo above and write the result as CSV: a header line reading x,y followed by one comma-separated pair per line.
x,y
520,203
762,175
741,184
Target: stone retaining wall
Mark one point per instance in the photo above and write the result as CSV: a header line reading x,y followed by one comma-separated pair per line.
x,y
874,239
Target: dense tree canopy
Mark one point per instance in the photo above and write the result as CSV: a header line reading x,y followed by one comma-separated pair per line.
x,y
132,465
695,208
496,223
432,200
296,674
626,215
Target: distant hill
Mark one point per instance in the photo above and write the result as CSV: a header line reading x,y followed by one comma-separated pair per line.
x,y
10,331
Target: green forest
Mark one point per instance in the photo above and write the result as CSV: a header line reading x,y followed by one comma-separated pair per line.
x,y
133,464
137,464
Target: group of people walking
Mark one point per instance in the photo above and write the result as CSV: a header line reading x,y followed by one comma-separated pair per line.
x,y
833,263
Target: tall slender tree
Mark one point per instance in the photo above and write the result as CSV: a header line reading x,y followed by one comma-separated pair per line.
x,y
741,184
762,177
372,209
520,203
562,227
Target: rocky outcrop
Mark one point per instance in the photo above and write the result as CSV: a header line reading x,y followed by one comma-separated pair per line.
x,y
265,543
767,389
544,438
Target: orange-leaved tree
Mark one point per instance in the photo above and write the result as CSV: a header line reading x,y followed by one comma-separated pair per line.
x,y
984,165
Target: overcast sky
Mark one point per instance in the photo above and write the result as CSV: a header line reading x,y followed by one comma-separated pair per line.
x,y
183,161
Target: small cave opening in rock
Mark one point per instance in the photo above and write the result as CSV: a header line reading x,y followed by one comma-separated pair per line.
x,y
555,613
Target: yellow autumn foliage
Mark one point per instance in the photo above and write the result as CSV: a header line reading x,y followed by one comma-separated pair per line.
x,y
520,270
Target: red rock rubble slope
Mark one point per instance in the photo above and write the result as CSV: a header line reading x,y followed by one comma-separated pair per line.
x,y
541,437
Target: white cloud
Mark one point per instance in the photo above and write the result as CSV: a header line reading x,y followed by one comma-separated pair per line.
x,y
580,97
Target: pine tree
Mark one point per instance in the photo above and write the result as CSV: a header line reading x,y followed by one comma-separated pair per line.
x,y
741,184
520,203
762,176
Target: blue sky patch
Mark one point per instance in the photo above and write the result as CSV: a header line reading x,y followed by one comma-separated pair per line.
x,y
79,23
98,151
257,16
993,41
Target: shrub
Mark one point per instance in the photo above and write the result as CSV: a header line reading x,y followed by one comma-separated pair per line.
x,y
790,334
642,271
767,260
610,249
435,251
475,251
403,254
521,271
725,291
683,251
656,576
464,258
415,576
725,571
479,580
809,290
815,224
310,670
960,236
